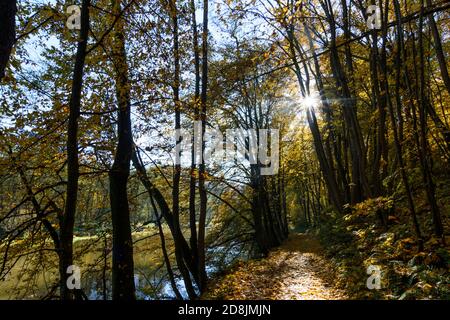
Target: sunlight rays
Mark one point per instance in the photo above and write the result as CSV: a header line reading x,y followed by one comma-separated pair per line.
x,y
310,101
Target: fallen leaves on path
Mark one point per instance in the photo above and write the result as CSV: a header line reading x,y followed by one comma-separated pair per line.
x,y
297,270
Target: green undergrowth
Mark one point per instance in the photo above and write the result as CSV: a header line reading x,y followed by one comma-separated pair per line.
x,y
355,241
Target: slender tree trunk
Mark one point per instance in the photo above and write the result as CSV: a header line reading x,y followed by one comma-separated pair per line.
x,y
105,266
284,204
344,195
164,251
202,171
177,168
361,188
438,49
397,142
185,251
424,152
67,220
333,190
192,178
123,287
257,211
8,11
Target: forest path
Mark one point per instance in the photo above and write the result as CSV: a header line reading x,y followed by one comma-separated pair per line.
x,y
297,270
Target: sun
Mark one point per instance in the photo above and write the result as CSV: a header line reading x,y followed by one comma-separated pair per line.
x,y
311,101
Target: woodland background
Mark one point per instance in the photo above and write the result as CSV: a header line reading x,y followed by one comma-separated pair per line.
x,y
86,176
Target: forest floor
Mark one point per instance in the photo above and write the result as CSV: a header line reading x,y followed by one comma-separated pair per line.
x,y
297,270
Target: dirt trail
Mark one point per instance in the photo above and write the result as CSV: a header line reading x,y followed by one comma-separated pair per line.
x,y
297,270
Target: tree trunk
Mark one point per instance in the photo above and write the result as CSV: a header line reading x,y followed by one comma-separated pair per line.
x,y
424,152
202,171
122,260
333,190
397,142
192,178
183,253
177,168
8,11
68,219
164,250
438,49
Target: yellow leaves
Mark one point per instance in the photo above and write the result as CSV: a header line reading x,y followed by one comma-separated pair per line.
x,y
194,174
371,206
432,259
293,271
420,255
406,242
426,287
205,175
406,245
65,109
434,241
361,233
